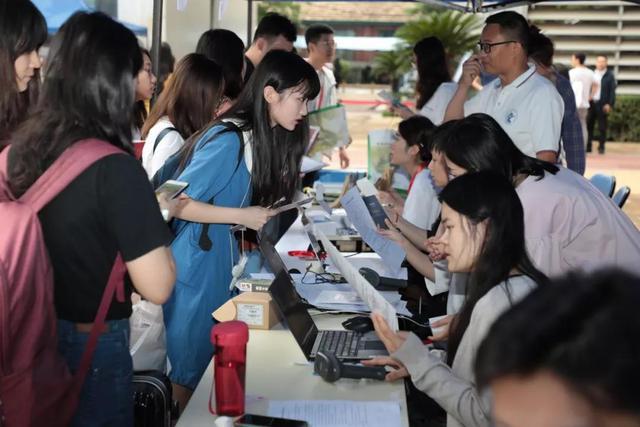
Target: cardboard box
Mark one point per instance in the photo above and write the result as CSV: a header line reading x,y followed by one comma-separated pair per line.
x,y
256,309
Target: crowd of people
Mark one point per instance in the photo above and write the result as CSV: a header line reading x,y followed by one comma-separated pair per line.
x,y
535,270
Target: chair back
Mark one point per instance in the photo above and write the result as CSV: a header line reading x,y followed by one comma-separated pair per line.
x,y
605,183
621,196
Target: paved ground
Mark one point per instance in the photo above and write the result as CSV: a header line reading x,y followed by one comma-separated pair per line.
x,y
621,159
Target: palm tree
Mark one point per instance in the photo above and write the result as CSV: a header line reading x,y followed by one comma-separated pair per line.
x,y
458,32
392,64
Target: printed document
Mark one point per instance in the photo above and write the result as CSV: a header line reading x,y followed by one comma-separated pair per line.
x,y
338,413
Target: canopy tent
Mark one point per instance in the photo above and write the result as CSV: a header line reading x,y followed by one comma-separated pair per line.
x,y
56,12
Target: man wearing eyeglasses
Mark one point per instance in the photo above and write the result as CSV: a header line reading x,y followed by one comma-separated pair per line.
x,y
527,106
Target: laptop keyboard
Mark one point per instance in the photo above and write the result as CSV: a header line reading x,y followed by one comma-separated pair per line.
x,y
342,343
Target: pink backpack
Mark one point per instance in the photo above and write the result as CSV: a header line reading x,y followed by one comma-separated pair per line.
x,y
36,387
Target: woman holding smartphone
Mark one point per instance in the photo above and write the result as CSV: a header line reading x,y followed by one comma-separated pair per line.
x,y
251,155
484,236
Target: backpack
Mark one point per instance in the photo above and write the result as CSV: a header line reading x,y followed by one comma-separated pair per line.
x,y
36,387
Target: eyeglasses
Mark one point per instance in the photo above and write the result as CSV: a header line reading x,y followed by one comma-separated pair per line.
x,y
486,47
327,43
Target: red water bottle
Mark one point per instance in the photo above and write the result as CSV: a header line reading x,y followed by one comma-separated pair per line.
x,y
230,345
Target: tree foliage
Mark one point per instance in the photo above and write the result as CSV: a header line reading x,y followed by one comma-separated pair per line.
x,y
392,65
457,31
289,9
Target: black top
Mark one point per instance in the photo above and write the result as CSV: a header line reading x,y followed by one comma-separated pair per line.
x,y
110,207
248,69
608,89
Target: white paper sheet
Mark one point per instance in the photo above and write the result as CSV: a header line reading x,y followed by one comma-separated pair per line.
x,y
368,293
391,253
338,413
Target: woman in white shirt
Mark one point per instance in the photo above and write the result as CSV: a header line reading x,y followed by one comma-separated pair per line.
x,y
434,88
483,236
190,101
410,151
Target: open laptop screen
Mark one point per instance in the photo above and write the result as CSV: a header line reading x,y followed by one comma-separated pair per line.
x,y
294,311
288,301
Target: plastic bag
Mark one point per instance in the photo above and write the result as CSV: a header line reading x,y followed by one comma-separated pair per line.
x,y
148,342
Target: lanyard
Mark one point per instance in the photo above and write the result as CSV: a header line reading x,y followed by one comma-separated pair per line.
x,y
419,169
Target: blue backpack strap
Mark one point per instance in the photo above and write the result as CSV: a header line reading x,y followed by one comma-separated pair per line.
x,y
204,241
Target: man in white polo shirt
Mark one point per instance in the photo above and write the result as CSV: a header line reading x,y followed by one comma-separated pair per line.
x,y
527,106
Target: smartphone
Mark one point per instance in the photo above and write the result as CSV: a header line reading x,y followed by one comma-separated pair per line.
x,y
172,188
250,420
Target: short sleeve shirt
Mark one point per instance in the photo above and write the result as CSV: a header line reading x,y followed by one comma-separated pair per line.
x,y
529,109
582,78
435,108
109,208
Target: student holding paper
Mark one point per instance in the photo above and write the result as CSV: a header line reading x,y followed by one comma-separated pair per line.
x,y
321,47
484,236
250,156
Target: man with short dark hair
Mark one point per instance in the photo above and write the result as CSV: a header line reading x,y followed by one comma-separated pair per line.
x,y
584,86
525,104
274,32
321,50
541,52
602,103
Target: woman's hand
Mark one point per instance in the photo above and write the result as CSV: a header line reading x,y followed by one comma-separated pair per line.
x,y
399,369
393,234
170,207
443,323
435,248
254,217
391,340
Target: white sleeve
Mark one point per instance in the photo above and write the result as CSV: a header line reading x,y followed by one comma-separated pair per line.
x,y
477,104
435,108
168,146
546,119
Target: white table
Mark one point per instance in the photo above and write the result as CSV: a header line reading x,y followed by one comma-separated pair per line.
x,y
277,369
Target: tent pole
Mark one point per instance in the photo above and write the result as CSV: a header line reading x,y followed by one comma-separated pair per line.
x,y
249,21
156,39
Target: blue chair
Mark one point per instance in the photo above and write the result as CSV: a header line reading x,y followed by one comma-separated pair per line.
x,y
621,196
605,183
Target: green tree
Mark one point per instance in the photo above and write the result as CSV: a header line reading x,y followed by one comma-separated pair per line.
x,y
391,65
289,9
458,32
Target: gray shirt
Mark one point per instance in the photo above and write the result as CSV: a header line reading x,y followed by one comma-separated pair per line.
x,y
453,388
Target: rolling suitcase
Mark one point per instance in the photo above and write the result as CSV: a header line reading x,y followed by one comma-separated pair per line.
x,y
153,403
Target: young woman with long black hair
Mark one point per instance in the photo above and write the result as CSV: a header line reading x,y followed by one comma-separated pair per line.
x,y
108,209
251,155
22,31
434,88
145,87
484,236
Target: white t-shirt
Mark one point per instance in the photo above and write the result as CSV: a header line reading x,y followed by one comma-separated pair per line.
x,y
529,110
328,95
169,145
422,206
597,77
435,108
570,224
582,79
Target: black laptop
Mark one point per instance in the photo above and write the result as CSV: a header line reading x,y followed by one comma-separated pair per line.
x,y
347,345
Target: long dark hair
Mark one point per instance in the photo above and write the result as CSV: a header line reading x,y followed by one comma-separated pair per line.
x,y
140,112
276,152
487,196
23,29
478,143
227,50
80,98
191,97
431,62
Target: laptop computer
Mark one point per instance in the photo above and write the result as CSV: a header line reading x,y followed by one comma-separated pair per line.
x,y
347,345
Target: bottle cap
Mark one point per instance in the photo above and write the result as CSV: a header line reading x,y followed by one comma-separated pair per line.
x,y
233,332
